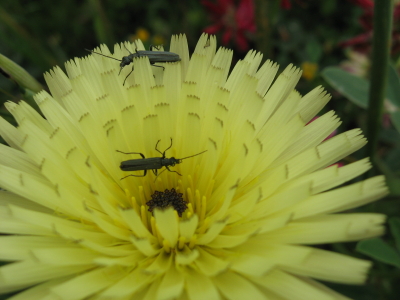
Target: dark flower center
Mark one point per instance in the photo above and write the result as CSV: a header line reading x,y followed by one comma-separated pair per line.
x,y
167,198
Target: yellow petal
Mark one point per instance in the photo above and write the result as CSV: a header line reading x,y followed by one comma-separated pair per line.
x,y
70,256
20,247
335,267
171,285
235,287
200,287
87,284
292,287
22,274
341,227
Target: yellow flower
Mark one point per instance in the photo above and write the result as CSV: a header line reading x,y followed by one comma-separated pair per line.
x,y
309,70
241,218
142,34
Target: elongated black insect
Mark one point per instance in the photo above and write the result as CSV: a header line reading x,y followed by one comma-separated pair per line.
x,y
154,57
152,163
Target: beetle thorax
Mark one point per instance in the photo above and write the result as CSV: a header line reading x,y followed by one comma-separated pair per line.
x,y
172,161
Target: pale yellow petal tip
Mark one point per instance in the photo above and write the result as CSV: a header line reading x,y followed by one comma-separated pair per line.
x,y
367,226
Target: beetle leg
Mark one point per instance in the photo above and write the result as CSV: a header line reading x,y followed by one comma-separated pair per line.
x,y
144,174
135,48
163,154
127,75
172,171
159,150
141,154
155,47
157,66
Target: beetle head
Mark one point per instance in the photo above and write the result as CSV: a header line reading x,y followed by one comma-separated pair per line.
x,y
175,161
125,61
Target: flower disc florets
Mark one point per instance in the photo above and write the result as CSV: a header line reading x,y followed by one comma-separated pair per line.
x,y
167,198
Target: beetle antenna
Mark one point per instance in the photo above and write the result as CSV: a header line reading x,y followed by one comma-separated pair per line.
x,y
193,155
127,49
102,54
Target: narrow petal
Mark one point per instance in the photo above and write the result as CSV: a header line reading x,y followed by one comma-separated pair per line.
x,y
342,199
210,264
200,287
70,256
40,291
292,287
87,284
20,247
22,274
171,285
341,227
235,287
335,267
167,223
129,285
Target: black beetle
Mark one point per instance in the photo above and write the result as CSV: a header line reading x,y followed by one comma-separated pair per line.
x,y
154,57
152,163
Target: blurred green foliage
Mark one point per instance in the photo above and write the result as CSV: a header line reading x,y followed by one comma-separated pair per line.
x,y
40,34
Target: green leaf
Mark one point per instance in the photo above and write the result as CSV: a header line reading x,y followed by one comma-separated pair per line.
x,y
393,95
379,250
391,136
352,87
392,160
354,292
313,50
356,89
393,89
102,25
394,224
19,74
393,182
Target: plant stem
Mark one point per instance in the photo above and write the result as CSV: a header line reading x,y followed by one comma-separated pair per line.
x,y
102,25
265,16
383,14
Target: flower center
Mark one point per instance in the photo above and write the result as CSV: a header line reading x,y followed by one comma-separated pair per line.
x,y
167,198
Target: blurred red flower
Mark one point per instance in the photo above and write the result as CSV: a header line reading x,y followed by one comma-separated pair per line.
x,y
362,42
235,19
285,4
